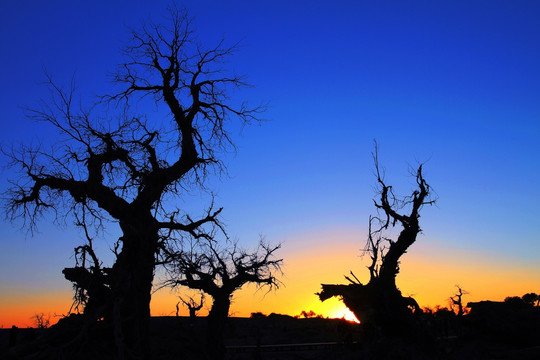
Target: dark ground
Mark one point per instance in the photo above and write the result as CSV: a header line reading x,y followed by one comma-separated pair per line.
x,y
256,338
245,338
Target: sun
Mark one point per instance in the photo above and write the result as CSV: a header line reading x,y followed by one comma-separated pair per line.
x,y
343,313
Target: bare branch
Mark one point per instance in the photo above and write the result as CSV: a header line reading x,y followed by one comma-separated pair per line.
x,y
212,269
112,164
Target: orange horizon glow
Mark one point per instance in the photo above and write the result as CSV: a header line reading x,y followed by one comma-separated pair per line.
x,y
429,276
19,309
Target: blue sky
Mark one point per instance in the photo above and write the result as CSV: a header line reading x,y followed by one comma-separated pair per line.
x,y
453,84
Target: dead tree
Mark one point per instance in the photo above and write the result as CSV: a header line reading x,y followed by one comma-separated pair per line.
x,y
41,321
379,304
457,300
91,281
219,271
121,168
192,305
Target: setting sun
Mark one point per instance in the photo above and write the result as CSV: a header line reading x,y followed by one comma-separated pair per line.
x,y
343,313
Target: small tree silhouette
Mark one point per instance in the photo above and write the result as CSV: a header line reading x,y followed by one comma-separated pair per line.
x,y
219,271
457,301
41,321
532,299
192,305
91,281
310,314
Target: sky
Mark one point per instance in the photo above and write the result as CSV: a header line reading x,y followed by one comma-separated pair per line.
x,y
452,84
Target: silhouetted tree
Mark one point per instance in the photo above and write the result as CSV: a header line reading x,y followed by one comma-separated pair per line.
x,y
516,302
192,305
379,303
127,169
532,299
257,315
219,271
91,281
310,314
457,301
41,321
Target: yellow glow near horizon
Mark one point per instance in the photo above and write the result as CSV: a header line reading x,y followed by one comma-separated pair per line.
x,y
432,280
343,313
428,274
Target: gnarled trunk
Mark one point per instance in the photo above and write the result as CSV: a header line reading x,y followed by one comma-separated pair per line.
x,y
375,305
216,325
379,304
133,274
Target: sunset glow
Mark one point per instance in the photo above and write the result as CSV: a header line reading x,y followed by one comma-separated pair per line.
x,y
430,277
343,313
451,85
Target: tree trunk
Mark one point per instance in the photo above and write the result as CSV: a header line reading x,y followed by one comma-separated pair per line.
x,y
216,325
390,265
133,274
377,305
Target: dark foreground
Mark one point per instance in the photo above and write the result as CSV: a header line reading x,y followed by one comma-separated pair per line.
x,y
284,337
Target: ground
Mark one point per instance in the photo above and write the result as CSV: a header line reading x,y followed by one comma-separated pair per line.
x,y
283,337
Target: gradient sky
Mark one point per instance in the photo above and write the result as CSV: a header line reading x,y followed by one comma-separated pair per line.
x,y
455,84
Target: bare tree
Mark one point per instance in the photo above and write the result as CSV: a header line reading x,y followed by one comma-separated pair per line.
x,y
91,281
379,303
41,321
219,271
192,305
127,169
457,301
